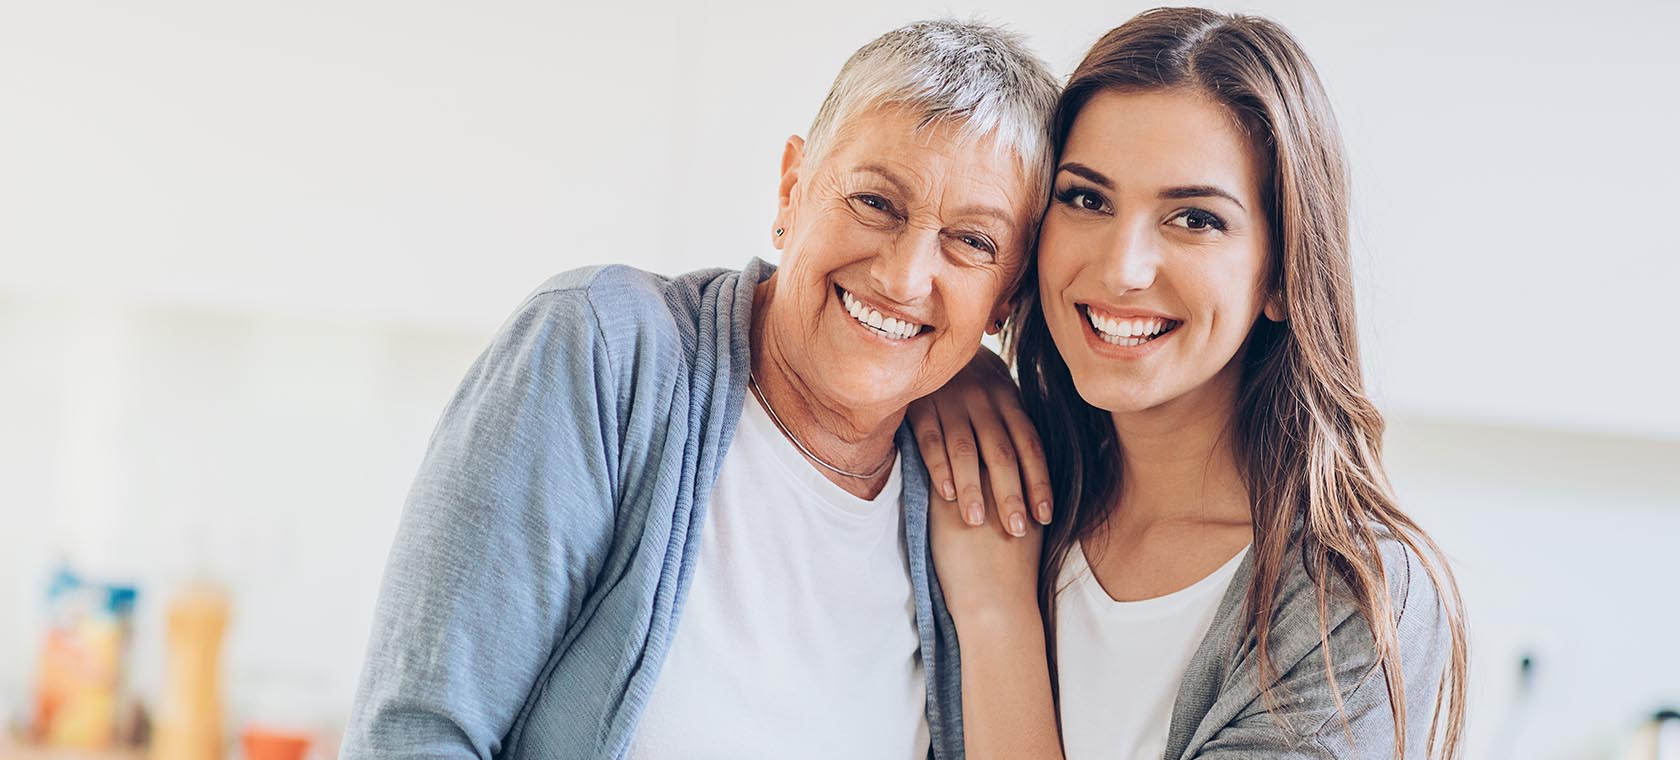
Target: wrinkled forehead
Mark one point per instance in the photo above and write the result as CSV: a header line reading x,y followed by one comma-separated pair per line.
x,y
923,154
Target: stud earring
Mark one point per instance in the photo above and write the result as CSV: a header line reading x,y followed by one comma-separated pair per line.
x,y
779,232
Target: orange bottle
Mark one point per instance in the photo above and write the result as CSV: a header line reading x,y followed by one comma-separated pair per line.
x,y
189,724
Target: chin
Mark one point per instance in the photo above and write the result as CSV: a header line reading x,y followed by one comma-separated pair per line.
x,y
859,386
1113,395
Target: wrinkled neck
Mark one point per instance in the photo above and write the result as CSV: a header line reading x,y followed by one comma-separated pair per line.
x,y
856,440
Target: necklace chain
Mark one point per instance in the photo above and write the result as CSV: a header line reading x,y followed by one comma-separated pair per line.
x,y
752,379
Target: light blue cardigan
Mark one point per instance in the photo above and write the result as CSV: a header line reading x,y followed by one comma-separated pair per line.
x,y
539,570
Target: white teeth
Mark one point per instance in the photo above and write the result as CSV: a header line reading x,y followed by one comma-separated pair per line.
x,y
1128,332
888,326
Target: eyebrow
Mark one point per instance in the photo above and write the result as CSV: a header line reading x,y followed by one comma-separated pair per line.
x,y
1074,167
1171,193
1199,191
884,173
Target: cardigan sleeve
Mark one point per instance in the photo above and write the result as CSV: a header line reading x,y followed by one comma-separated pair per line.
x,y
500,540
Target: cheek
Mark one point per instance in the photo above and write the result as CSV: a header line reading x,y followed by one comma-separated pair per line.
x,y
1059,268
966,305
1230,297
1063,252
811,265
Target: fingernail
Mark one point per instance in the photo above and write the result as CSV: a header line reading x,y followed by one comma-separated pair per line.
x,y
974,515
1017,525
1043,510
950,491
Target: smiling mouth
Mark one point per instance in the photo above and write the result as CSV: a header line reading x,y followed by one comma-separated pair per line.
x,y
1131,331
891,328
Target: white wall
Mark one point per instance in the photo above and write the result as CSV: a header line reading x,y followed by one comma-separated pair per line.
x,y
247,250
429,162
1567,549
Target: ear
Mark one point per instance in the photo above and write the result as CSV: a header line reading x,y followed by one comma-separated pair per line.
x,y
1274,307
793,157
998,315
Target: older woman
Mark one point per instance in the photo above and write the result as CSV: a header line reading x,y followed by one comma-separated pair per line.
x,y
719,449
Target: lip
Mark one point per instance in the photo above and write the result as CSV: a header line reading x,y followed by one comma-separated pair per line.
x,y
1100,347
840,305
1123,313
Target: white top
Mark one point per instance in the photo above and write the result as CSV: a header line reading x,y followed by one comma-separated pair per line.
x,y
1119,664
798,637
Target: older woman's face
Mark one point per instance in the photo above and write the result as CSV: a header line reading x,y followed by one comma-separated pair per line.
x,y
898,248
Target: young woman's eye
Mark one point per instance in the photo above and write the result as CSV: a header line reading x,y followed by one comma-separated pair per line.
x,y
1083,199
1197,220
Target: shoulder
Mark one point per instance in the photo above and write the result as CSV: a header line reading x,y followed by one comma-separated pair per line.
x,y
626,314
1323,680
1314,597
598,296
1321,623
1408,586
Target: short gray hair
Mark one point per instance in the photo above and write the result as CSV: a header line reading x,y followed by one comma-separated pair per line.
x,y
980,77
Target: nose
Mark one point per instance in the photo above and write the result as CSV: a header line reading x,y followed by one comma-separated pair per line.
x,y
904,271
1132,260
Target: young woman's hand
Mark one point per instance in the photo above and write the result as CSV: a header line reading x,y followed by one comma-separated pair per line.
x,y
990,582
989,577
977,419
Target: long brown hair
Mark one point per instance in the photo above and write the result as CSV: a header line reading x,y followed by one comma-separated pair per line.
x,y
1308,440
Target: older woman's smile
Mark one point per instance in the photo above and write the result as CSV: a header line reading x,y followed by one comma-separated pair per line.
x,y
882,322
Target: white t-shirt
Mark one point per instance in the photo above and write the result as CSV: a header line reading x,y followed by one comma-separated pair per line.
x,y
1119,664
798,636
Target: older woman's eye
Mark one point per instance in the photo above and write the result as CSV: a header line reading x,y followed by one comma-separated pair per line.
x,y
875,202
1083,199
1197,220
978,243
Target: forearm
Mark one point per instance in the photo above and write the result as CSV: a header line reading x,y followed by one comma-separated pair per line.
x,y
1008,711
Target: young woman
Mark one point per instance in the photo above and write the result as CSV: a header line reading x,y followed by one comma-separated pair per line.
x,y
1227,574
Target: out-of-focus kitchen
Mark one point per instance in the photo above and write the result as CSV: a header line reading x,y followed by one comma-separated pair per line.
x,y
246,255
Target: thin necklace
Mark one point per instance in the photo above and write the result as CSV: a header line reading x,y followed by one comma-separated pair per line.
x,y
752,380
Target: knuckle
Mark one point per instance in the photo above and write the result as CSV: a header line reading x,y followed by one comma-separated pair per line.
x,y
962,447
1003,453
933,438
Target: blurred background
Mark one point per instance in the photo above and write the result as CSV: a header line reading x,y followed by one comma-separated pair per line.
x,y
248,249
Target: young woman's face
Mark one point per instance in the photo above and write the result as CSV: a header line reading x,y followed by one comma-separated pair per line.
x,y
1154,253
